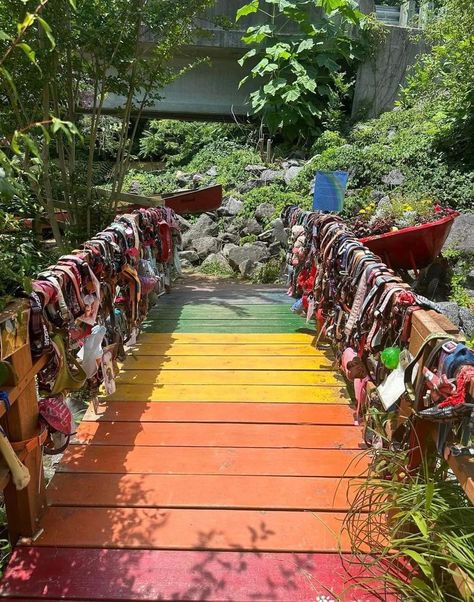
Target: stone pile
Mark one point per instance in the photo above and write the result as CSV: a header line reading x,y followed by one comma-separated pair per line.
x,y
233,242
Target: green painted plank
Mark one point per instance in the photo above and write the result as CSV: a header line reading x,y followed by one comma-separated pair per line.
x,y
230,327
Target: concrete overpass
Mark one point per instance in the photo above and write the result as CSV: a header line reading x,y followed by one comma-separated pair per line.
x,y
211,90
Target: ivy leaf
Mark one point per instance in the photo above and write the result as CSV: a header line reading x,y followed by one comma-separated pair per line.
x,y
279,51
4,36
307,83
274,86
247,9
305,45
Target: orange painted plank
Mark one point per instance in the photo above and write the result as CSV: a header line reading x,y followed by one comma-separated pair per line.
x,y
207,491
206,460
274,413
219,435
184,529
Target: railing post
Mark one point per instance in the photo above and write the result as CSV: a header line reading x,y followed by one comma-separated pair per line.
x,y
25,507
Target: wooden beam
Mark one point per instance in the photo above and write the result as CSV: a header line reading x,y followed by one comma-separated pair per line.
x,y
133,199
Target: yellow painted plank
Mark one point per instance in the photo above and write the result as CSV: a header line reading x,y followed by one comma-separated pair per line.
x,y
230,393
225,350
226,362
229,377
220,338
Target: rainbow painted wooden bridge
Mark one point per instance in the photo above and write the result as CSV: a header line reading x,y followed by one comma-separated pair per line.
x,y
218,471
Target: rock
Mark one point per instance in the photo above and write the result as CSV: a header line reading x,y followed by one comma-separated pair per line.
x,y
229,237
251,226
275,248
260,243
250,185
197,179
206,245
219,259
470,279
377,195
255,168
270,175
467,321
205,226
461,236
190,256
212,172
279,232
230,206
249,251
182,177
227,249
393,178
247,268
451,311
184,224
185,265
264,212
290,163
291,173
267,237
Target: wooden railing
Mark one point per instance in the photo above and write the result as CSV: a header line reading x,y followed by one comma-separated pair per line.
x,y
25,507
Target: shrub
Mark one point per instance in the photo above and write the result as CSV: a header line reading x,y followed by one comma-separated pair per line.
x,y
214,268
248,238
274,194
269,272
177,142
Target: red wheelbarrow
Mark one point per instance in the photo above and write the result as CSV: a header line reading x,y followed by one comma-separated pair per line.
x,y
412,248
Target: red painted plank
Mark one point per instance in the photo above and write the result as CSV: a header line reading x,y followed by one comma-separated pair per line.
x,y
124,575
207,491
205,460
275,413
191,529
220,435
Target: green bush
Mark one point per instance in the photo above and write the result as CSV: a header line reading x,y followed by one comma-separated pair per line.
x,y
268,273
328,139
248,238
214,268
274,194
404,139
148,183
177,142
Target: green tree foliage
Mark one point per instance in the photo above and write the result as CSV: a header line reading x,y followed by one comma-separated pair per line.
x,y
443,79
301,56
64,57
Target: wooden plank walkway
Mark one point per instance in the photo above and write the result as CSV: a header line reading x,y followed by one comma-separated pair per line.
x,y
219,470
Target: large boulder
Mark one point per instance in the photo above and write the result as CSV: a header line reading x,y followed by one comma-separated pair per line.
x,y
217,259
247,268
451,310
229,237
467,321
206,245
291,173
264,212
251,226
228,248
461,236
230,206
250,185
279,232
190,256
249,251
205,226
255,168
271,175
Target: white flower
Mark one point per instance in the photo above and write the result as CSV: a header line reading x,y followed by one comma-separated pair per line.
x,y
2,172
